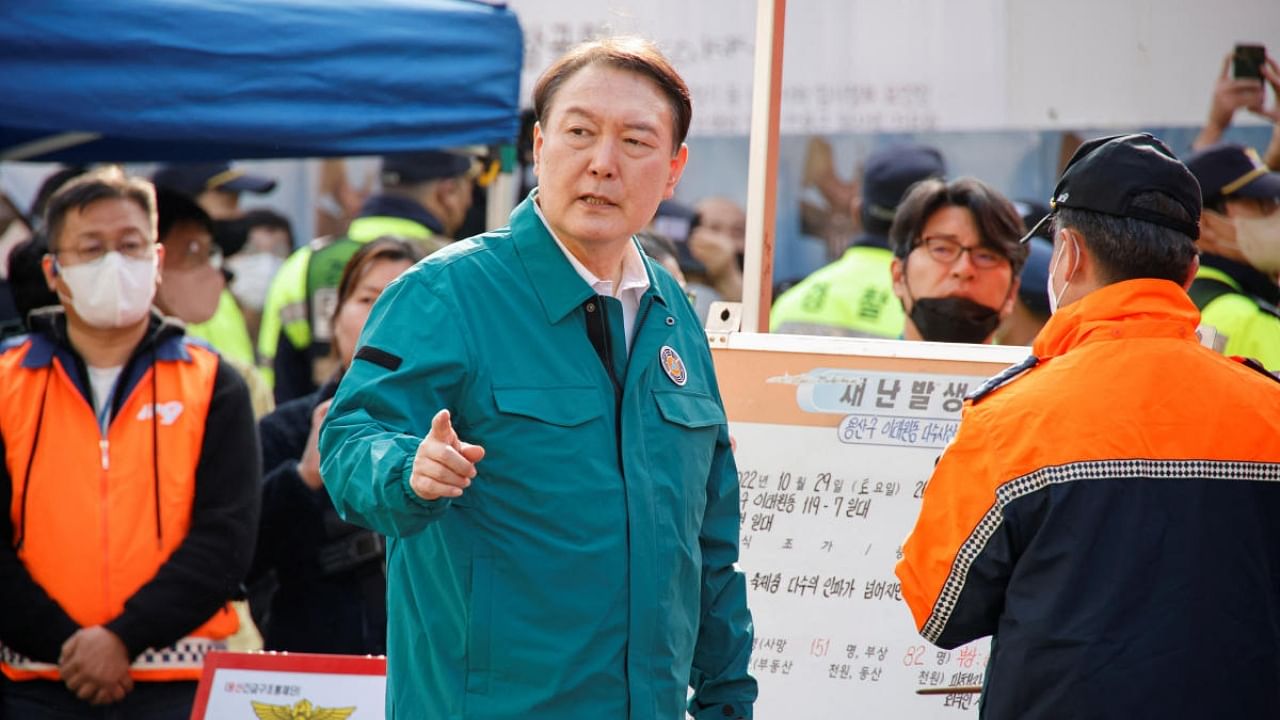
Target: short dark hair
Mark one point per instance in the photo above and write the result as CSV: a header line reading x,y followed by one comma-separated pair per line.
x,y
50,185
173,208
26,279
109,183
267,218
999,225
1127,248
622,52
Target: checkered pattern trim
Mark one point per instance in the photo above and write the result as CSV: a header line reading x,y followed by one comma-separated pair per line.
x,y
186,654
1097,470
13,659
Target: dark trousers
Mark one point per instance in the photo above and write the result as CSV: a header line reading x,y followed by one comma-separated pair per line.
x,y
49,700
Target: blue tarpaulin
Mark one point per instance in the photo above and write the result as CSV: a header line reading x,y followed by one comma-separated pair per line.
x,y
178,80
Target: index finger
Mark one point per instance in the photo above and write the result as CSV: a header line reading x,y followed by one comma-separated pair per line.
x,y
442,427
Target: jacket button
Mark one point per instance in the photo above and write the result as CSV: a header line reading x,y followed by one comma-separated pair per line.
x,y
591,307
671,321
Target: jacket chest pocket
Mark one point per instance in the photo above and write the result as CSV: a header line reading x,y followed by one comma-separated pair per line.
x,y
546,427
559,407
684,443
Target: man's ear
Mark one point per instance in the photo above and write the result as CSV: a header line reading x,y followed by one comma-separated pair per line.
x,y
1074,263
1191,273
678,162
537,147
49,268
898,272
159,263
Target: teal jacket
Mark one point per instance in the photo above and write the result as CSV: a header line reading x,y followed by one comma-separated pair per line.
x,y
588,572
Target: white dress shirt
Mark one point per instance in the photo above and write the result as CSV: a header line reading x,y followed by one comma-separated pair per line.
x,y
634,282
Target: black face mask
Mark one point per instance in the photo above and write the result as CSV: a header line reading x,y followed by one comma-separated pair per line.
x,y
230,235
954,319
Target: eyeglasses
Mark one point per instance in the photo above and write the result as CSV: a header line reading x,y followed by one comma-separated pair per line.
x,y
194,256
947,251
89,250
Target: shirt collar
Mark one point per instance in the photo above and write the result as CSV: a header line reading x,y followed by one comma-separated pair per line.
x,y
1130,309
634,277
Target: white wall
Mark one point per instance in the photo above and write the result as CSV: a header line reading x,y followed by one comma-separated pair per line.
x,y
919,65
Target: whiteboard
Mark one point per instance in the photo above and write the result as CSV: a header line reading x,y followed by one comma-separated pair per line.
x,y
835,440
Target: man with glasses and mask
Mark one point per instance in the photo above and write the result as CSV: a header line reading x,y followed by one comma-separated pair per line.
x,y
129,484
956,260
1107,509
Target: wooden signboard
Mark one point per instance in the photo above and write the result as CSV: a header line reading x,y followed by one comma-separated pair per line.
x,y
836,438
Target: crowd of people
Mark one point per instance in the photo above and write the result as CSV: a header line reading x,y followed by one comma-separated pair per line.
x,y
198,411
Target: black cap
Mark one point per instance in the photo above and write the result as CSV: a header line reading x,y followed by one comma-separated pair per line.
x,y
416,167
888,175
1233,171
194,178
1106,173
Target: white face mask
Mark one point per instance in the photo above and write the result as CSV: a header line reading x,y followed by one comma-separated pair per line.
x,y
1055,298
113,291
1259,241
253,273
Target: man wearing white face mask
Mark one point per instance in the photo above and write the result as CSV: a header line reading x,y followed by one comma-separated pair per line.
x,y
129,478
1235,288
270,241
1106,511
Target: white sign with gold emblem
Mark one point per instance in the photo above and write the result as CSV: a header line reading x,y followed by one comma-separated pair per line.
x,y
292,686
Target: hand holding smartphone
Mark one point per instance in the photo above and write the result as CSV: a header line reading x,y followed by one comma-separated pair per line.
x,y
1247,62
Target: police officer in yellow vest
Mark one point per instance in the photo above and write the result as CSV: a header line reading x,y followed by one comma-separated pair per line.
x,y
129,482
425,197
853,296
1235,287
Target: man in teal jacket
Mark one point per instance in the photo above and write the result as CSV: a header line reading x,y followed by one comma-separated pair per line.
x,y
533,420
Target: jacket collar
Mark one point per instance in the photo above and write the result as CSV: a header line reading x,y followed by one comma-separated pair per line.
x,y
1145,308
401,207
874,240
49,338
560,289
1245,278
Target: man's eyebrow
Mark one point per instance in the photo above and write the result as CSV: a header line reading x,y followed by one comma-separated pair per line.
x,y
642,126
576,110
633,125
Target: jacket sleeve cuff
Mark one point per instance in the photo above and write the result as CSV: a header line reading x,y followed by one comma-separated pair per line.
x,y
132,643
725,711
432,507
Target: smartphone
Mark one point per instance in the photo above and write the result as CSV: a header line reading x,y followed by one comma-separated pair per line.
x,y
1247,62
678,222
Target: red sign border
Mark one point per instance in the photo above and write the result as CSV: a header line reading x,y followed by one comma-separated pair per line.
x,y
282,662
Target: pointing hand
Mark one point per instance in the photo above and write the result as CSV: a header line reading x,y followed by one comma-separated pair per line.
x,y
443,465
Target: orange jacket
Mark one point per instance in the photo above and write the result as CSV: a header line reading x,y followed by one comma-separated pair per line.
x,y
94,518
1110,516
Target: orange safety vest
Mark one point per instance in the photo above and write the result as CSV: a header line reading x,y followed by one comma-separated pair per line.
x,y
95,517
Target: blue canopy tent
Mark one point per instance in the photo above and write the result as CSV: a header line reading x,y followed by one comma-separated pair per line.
x,y
190,80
